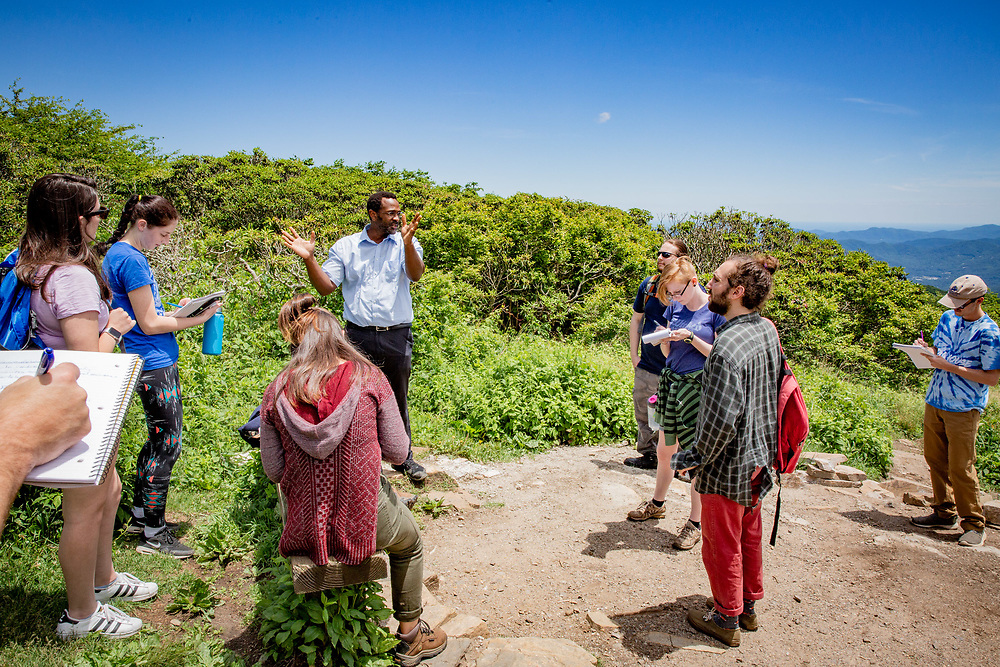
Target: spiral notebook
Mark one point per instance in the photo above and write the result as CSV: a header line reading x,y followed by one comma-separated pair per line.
x,y
110,381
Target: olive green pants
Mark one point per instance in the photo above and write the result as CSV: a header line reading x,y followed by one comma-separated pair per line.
x,y
399,535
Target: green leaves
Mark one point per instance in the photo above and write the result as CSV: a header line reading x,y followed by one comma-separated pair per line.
x,y
196,598
335,627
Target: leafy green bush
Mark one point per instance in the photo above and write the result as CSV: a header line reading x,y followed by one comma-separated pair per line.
x,y
841,420
335,627
221,540
988,447
523,391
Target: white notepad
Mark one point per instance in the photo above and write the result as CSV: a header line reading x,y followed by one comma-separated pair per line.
x,y
109,380
917,354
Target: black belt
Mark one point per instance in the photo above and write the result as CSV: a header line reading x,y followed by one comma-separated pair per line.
x,y
352,325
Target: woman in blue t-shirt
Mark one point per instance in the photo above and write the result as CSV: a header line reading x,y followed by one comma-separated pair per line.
x,y
692,327
147,222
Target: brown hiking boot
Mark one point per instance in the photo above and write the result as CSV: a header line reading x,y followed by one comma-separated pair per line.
x,y
646,510
688,537
703,622
747,621
427,644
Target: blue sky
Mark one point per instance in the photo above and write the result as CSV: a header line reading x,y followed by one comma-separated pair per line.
x,y
827,115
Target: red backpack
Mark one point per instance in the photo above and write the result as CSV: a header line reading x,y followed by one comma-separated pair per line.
x,y
793,427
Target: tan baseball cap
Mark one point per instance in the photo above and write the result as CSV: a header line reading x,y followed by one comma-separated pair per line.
x,y
962,290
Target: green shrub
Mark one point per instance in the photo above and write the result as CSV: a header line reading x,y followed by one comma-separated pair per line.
x,y
842,420
335,627
988,447
524,392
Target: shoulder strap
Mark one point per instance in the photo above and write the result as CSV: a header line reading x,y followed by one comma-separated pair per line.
x,y
650,289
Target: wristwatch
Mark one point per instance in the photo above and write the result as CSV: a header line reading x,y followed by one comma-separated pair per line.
x,y
114,333
689,339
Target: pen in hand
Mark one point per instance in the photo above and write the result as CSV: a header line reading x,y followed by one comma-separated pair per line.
x,y
45,363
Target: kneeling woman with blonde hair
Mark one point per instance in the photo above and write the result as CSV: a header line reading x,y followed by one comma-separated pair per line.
x,y
327,421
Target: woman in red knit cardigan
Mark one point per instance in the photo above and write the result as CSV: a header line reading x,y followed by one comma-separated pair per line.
x,y
327,421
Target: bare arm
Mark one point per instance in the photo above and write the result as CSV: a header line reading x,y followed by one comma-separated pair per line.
x,y
634,328
153,323
989,378
29,435
703,346
306,249
82,333
414,264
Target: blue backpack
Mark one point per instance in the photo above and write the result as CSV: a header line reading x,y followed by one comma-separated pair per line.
x,y
18,327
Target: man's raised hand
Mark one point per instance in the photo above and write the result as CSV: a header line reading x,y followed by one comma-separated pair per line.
x,y
300,246
408,229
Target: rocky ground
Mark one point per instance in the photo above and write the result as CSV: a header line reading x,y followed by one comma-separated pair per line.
x,y
850,581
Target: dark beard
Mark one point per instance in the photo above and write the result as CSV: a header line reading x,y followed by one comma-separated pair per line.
x,y
718,308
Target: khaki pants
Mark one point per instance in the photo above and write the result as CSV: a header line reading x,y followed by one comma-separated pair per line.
x,y
399,535
644,387
950,452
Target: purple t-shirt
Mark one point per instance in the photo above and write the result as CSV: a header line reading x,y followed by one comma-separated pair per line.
x,y
70,290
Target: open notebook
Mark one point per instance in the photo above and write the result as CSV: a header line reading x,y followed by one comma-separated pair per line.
x,y
110,380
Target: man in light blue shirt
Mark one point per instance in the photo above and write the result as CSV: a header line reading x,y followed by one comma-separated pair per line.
x,y
966,359
374,269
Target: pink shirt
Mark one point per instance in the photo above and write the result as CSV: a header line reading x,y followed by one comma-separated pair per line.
x,y
71,290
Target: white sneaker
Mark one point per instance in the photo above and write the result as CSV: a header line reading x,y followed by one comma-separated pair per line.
x,y
107,620
127,587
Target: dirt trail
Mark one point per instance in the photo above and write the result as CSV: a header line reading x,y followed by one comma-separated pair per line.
x,y
851,581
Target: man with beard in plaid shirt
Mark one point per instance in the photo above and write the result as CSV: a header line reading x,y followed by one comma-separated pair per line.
x,y
736,441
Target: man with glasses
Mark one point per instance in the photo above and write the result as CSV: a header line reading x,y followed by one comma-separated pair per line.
x,y
647,359
966,359
374,269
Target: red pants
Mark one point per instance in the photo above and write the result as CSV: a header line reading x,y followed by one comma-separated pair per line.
x,y
732,552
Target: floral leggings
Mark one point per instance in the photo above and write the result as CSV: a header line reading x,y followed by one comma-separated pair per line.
x,y
160,393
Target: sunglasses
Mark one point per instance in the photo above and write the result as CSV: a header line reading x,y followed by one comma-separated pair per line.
x,y
102,212
667,255
967,303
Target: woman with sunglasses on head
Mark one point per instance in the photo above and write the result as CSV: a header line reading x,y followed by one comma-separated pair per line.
x,y
69,300
692,331
147,221
327,422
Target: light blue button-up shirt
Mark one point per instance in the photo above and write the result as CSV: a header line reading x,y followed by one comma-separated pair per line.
x,y
372,277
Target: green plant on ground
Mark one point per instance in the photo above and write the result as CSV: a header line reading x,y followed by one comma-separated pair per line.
x,y
221,540
196,598
433,506
340,626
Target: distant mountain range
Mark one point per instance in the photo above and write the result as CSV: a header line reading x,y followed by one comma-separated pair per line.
x,y
931,258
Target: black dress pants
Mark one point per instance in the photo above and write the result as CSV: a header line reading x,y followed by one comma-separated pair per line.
x,y
392,351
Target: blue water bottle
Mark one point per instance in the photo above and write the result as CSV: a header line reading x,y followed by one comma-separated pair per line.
x,y
211,338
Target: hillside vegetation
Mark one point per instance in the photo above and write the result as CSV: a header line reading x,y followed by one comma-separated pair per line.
x,y
520,320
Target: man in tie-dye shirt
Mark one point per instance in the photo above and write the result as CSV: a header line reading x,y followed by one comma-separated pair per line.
x,y
966,359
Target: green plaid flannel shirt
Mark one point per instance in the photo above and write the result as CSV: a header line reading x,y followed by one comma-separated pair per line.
x,y
738,419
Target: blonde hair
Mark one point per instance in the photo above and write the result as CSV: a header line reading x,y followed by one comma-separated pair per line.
x,y
680,270
319,346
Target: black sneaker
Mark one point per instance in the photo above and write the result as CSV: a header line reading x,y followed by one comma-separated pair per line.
x,y
413,470
644,462
934,521
136,525
164,542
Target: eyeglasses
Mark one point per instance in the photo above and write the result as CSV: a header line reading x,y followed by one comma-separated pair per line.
x,y
679,294
667,255
967,303
102,212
